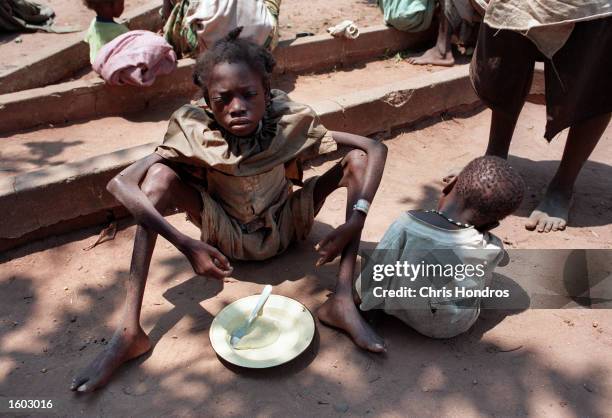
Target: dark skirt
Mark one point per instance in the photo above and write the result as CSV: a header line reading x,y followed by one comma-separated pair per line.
x,y
578,79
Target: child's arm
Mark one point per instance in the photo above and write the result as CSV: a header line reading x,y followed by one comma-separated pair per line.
x,y
333,244
125,186
377,155
505,259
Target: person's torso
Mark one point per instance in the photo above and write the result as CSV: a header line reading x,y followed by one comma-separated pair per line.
x,y
213,20
443,255
101,33
246,198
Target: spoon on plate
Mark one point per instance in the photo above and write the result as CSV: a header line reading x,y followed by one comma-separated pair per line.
x,y
244,329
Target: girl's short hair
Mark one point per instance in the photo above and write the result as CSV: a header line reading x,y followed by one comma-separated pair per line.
x,y
231,50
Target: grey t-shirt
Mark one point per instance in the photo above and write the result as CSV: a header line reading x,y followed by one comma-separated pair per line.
x,y
414,241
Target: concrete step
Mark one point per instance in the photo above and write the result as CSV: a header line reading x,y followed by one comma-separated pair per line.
x,y
31,60
72,195
63,143
83,99
69,54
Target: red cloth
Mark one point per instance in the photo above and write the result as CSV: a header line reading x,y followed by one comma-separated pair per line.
x,y
136,58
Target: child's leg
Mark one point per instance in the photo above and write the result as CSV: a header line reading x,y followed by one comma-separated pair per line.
x,y
165,190
340,310
552,213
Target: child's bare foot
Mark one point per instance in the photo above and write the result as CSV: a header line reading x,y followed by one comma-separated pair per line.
x,y
552,212
341,313
120,349
434,56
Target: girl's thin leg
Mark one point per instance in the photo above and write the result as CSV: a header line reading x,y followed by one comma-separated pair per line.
x,y
339,310
163,187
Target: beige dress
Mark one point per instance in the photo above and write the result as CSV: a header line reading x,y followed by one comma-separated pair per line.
x,y
250,211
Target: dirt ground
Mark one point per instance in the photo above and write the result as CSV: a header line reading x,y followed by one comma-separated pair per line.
x,y
59,304
293,19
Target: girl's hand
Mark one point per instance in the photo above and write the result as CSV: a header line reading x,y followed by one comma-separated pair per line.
x,y
206,260
332,245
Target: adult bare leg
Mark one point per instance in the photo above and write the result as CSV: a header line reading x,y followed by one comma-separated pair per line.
x,y
164,189
503,123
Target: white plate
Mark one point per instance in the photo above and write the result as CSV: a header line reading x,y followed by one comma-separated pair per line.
x,y
295,323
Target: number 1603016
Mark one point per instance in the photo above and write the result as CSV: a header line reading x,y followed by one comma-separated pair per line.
x,y
30,404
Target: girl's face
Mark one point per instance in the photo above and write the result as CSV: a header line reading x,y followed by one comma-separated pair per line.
x,y
236,97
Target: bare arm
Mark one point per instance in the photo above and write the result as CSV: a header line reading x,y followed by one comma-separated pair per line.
x,y
377,155
333,244
125,186
505,259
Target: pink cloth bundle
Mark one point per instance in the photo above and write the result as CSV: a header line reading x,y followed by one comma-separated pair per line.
x,y
135,58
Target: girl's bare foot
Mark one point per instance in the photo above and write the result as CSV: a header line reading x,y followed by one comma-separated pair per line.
x,y
552,212
434,56
122,347
339,312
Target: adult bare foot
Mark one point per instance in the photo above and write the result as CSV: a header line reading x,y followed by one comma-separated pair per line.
x,y
434,56
341,313
552,212
121,348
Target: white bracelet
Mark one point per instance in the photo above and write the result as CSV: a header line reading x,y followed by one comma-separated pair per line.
x,y
362,205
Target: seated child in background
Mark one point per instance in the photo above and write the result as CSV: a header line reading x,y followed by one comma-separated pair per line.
x,y
231,167
486,191
103,28
135,58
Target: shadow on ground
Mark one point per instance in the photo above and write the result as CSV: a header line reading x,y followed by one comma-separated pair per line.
x,y
417,374
473,373
40,154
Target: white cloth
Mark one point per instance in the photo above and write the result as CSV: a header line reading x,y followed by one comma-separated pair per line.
x,y
213,19
436,317
347,29
547,23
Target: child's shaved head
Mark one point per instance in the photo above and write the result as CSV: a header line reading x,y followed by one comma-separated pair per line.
x,y
491,188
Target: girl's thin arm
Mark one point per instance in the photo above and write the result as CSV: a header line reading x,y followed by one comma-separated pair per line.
x,y
377,155
125,186
335,242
